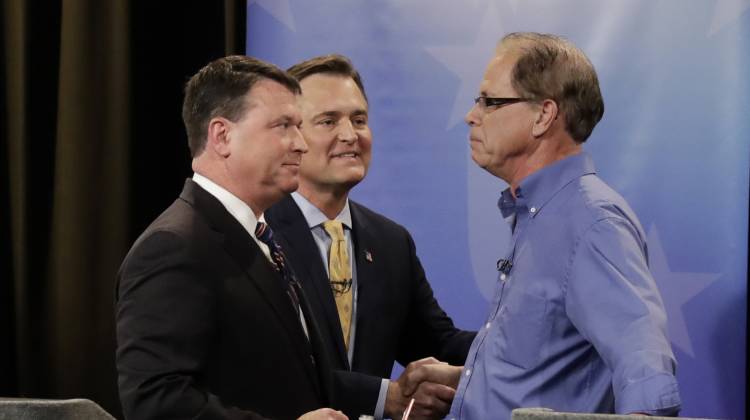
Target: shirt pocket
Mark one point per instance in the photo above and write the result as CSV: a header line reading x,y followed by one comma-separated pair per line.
x,y
522,329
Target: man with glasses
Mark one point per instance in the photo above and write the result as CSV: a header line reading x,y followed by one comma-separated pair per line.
x,y
576,323
367,286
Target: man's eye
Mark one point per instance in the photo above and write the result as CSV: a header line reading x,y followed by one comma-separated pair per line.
x,y
327,123
360,121
286,125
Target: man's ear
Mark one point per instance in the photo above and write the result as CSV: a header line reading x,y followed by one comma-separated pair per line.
x,y
548,113
218,136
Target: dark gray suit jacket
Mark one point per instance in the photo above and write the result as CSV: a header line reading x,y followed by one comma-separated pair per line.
x,y
204,327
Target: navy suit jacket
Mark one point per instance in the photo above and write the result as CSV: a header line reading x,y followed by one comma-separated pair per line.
x,y
398,318
205,329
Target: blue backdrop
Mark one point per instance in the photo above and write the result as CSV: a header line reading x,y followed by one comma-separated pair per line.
x,y
674,141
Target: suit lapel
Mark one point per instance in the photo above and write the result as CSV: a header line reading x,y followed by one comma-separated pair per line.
x,y
365,241
240,245
291,226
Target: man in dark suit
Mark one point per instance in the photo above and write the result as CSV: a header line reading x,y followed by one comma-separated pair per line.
x,y
367,287
211,324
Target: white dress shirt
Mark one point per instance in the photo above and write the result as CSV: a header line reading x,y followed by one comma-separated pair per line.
x,y
244,215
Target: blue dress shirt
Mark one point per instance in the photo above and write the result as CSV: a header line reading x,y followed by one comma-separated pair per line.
x,y
576,322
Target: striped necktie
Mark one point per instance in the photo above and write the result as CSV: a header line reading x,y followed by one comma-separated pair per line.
x,y
264,233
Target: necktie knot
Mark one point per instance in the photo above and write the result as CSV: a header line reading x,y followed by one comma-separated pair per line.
x,y
264,234
339,269
335,229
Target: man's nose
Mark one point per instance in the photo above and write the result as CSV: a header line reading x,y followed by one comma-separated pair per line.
x,y
472,117
298,141
346,132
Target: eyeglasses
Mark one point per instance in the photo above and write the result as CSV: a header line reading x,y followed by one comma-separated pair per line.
x,y
485,102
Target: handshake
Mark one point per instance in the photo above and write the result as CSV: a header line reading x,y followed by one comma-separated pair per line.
x,y
431,383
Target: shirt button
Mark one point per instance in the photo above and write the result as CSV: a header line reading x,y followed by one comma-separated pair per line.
x,y
468,372
487,325
503,277
532,210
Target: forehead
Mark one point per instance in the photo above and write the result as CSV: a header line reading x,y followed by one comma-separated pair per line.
x,y
270,94
497,76
268,101
331,91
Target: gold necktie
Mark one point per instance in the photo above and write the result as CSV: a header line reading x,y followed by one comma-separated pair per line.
x,y
340,273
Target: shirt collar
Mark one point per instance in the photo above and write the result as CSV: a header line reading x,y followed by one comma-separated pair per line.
x,y
315,217
236,207
538,188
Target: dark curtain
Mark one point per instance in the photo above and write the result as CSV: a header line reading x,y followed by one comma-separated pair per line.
x,y
92,150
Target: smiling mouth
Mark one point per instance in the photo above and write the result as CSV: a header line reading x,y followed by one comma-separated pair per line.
x,y
346,155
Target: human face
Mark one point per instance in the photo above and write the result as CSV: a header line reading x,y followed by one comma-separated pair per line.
x,y
334,124
500,137
266,146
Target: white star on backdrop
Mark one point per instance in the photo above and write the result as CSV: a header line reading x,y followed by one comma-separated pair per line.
x,y
279,9
464,61
677,289
726,12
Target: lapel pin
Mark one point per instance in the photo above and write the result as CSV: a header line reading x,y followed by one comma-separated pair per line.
x,y
368,256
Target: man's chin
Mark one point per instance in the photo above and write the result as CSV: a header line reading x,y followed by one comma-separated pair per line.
x,y
354,173
289,187
352,179
480,162
349,165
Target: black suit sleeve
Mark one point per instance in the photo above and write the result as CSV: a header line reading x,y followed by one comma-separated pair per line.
x,y
165,315
355,393
429,331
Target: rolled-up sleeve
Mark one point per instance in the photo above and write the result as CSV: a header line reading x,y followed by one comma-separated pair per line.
x,y
613,301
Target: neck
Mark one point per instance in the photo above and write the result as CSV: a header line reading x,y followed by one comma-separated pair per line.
x,y
548,152
330,202
221,179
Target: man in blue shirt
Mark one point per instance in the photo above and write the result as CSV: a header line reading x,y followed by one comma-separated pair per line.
x,y
576,323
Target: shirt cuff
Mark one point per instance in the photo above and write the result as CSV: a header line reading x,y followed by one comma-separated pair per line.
x,y
657,395
380,406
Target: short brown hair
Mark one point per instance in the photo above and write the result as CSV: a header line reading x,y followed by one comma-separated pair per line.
x,y
219,89
551,67
330,64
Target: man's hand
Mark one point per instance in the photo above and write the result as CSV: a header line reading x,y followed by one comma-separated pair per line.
x,y
324,414
429,370
430,401
422,381
395,401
